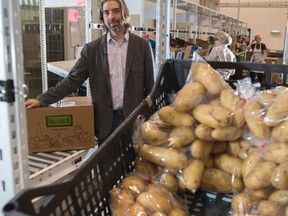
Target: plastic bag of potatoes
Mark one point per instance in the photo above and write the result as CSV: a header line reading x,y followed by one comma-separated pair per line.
x,y
266,116
265,160
189,135
138,197
266,183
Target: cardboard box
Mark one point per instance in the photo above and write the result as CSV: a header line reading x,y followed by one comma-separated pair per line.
x,y
273,60
67,125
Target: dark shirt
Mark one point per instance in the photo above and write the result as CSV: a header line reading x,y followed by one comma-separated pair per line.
x,y
261,46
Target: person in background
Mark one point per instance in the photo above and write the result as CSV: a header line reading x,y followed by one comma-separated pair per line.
x,y
221,52
119,67
241,49
259,53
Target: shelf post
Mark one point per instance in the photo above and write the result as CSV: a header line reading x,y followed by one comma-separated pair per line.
x,y
162,32
13,145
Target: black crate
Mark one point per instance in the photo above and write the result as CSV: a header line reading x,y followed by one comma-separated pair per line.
x,y
269,70
87,192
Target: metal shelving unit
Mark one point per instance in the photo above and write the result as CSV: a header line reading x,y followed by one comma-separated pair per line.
x,y
42,6
22,170
199,21
46,168
285,50
13,146
201,16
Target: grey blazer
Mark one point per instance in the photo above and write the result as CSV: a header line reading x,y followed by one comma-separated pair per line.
x,y
93,64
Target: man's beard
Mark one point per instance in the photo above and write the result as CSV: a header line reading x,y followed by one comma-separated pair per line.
x,y
117,28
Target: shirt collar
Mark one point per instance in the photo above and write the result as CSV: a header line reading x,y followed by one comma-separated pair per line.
x,y
126,37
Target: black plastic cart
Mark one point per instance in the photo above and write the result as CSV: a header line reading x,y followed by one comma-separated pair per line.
x,y
87,192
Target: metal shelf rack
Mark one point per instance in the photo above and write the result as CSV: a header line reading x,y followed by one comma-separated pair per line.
x,y
13,145
199,21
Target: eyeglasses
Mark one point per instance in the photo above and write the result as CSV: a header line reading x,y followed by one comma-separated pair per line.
x,y
113,11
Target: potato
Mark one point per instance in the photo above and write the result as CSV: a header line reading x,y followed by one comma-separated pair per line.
x,y
279,177
216,180
251,162
174,117
164,156
171,170
120,201
189,96
244,149
278,110
269,208
242,203
215,101
279,89
212,115
231,102
201,149
261,194
181,184
134,184
254,114
243,154
266,97
279,196
154,202
245,144
159,214
169,181
146,168
192,174
219,147
152,134
229,133
251,150
203,132
209,161
181,136
136,210
161,190
276,152
237,185
208,77
260,177
234,147
236,214
178,212
229,163
279,133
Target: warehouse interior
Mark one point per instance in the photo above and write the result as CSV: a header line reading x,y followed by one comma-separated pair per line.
x,y
46,38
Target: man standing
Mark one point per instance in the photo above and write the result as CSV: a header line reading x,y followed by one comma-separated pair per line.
x,y
119,67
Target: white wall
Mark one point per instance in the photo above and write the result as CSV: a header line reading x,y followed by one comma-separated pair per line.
x,y
262,21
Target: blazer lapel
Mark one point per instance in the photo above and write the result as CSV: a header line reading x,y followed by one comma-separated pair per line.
x,y
105,60
130,54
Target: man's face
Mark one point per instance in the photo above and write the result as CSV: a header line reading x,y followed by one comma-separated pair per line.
x,y
112,16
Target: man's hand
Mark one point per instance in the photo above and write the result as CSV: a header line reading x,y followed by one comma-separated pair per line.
x,y
32,103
